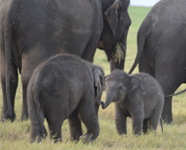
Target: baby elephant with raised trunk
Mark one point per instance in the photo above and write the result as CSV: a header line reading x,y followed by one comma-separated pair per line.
x,y
138,96
64,87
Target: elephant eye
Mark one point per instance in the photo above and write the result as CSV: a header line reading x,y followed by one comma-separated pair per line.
x,y
120,87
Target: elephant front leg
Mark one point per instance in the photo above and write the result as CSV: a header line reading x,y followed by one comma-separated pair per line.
x,y
120,120
137,124
75,126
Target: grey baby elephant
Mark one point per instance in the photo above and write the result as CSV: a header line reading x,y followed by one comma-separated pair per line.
x,y
138,96
64,87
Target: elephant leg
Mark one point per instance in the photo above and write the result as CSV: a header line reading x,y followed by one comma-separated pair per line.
x,y
137,115
167,110
170,78
24,114
168,89
137,124
55,131
37,129
154,120
30,60
145,126
75,126
55,117
89,117
120,120
13,88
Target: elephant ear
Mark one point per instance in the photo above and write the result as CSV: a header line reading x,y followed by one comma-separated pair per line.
x,y
135,86
98,81
112,16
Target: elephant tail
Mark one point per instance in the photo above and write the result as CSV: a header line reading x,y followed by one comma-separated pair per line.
x,y
171,95
40,113
161,123
37,112
6,40
143,34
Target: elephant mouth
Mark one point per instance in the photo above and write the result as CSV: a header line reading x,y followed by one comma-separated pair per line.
x,y
116,52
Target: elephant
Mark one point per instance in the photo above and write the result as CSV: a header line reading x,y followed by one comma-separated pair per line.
x,y
33,31
161,48
116,22
62,87
138,96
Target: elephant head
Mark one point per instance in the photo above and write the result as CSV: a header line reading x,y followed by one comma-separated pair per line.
x,y
114,34
117,85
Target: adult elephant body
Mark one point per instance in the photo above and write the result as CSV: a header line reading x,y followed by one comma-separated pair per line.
x,y
32,31
162,48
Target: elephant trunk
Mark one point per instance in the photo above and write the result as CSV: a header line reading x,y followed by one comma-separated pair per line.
x,y
109,99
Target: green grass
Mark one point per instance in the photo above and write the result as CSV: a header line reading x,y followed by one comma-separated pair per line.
x,y
15,136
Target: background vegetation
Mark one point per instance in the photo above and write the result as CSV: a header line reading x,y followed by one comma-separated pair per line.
x,y
15,136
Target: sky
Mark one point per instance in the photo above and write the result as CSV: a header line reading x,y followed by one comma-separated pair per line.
x,y
145,3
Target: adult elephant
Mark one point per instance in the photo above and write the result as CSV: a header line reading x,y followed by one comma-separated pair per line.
x,y
162,48
33,31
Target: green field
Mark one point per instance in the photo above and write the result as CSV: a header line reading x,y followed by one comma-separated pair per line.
x,y
15,136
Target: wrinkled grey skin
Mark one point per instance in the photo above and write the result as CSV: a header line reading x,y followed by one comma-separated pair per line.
x,y
138,96
31,31
65,87
161,48
115,29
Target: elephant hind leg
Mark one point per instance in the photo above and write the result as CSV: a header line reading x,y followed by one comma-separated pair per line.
x,y
38,130
55,121
55,131
154,120
146,126
75,126
170,73
89,117
13,86
91,123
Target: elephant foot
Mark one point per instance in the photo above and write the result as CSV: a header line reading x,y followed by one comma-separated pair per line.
x,y
167,119
8,116
38,140
87,138
24,116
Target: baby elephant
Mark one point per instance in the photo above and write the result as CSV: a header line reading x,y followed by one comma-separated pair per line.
x,y
138,96
64,87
